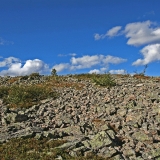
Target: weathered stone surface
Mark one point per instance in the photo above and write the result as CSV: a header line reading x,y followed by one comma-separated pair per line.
x,y
121,122
100,140
141,136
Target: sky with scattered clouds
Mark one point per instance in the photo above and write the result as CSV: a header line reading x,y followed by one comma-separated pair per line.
x,y
79,36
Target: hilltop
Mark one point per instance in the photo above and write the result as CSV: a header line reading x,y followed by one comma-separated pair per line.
x,y
80,117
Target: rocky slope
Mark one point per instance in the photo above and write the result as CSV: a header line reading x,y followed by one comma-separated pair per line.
x,y
122,122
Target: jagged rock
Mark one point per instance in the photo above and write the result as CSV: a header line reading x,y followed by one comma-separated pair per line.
x,y
24,133
21,118
107,152
4,137
14,117
69,145
155,154
129,152
100,140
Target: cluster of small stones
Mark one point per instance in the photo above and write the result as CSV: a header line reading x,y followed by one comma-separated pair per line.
x,y
30,80
121,122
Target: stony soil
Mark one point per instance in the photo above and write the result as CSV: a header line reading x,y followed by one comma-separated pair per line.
x,y
122,122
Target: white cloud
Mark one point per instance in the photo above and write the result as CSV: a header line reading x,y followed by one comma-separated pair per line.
x,y
65,55
114,31
15,67
8,61
140,33
98,71
111,33
4,42
119,71
104,69
60,67
98,36
113,60
151,53
72,54
62,55
85,61
89,62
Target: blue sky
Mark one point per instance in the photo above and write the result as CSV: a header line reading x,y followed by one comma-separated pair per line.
x,y
79,36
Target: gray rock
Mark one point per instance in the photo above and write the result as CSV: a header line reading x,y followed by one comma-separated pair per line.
x,y
141,136
100,140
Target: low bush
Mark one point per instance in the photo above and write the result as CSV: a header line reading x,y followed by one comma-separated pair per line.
x,y
54,72
104,80
33,76
24,77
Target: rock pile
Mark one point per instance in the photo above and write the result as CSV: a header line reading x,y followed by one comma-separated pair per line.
x,y
122,122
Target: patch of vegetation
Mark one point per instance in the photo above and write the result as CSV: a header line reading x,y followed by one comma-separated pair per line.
x,y
54,72
61,82
25,96
86,76
34,149
13,79
141,75
24,77
34,76
104,80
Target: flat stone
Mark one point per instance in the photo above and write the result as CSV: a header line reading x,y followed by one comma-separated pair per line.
x,y
100,140
141,136
139,85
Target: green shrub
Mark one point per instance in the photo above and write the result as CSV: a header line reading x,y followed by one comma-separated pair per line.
x,y
54,72
4,91
24,77
104,80
34,76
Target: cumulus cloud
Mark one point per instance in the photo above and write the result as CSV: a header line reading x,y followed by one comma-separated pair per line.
x,y
89,62
16,68
62,66
9,61
111,33
114,31
98,71
85,61
140,33
113,60
119,71
151,53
